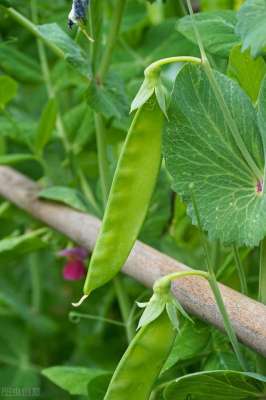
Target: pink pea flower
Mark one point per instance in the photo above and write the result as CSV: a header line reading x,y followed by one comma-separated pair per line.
x,y
74,268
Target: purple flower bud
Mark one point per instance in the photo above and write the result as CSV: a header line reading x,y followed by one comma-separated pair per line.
x,y
74,270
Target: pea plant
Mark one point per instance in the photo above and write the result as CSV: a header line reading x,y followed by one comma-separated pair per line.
x,y
151,116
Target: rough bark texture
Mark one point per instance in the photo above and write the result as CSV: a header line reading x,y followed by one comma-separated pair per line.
x,y
144,263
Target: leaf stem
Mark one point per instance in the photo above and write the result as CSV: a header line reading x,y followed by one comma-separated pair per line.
x,y
216,291
111,39
220,99
240,271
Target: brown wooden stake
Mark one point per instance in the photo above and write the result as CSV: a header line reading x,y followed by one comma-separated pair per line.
x,y
144,263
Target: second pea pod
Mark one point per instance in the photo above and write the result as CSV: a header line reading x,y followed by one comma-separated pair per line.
x,y
129,197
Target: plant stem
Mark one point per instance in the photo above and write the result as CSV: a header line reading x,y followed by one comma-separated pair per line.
x,y
35,283
220,99
125,307
111,40
76,316
240,271
47,78
216,292
102,156
262,273
261,361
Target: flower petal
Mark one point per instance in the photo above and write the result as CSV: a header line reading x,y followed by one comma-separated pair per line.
x,y
79,253
74,270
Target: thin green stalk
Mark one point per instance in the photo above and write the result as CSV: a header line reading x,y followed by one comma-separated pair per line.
x,y
261,361
240,271
182,7
35,284
102,156
262,273
216,291
224,108
125,307
111,39
47,78
88,192
75,317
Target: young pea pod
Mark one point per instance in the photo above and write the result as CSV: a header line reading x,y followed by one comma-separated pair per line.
x,y
130,195
140,366
142,362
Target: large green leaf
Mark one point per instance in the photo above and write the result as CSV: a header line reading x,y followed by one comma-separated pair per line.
x,y
201,153
216,28
217,385
73,379
251,26
248,72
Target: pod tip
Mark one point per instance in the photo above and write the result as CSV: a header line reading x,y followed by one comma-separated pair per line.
x,y
83,298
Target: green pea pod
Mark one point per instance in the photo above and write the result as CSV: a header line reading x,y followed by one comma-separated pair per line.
x,y
142,362
130,195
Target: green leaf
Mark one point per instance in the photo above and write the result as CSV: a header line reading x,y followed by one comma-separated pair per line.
x,y
65,195
192,341
200,152
73,379
72,53
46,125
221,361
172,314
153,310
262,114
19,66
217,31
98,386
12,247
108,99
251,26
8,90
217,385
10,159
248,72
